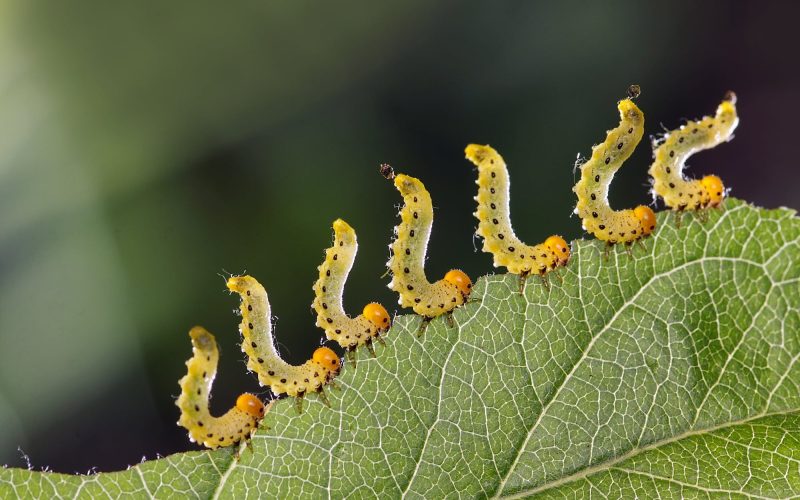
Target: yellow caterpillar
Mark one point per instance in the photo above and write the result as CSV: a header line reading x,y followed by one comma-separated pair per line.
x,y
203,428
494,226
263,358
678,145
407,262
328,303
613,226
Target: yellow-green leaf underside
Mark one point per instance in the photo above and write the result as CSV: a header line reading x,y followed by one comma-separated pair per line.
x,y
671,373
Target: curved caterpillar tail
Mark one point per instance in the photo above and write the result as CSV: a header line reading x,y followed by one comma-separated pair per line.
x,y
678,145
613,226
212,432
349,332
494,221
263,357
407,262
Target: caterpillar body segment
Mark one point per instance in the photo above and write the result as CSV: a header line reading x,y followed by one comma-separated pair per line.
x,y
264,359
350,333
494,221
407,262
605,223
213,432
676,146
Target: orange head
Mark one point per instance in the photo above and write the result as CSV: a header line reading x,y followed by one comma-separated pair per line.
x,y
250,404
378,315
647,219
460,280
326,358
558,246
715,189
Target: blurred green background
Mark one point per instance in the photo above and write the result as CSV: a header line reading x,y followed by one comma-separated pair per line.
x,y
147,148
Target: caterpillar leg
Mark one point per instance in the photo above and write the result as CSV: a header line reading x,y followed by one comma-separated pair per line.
x,y
423,325
558,276
246,445
350,354
703,215
545,281
678,216
370,348
298,400
607,251
335,385
324,397
523,279
641,244
380,339
237,455
628,249
448,317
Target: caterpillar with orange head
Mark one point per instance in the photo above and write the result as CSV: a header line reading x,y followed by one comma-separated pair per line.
x,y
676,146
408,250
607,224
494,222
349,332
263,358
213,432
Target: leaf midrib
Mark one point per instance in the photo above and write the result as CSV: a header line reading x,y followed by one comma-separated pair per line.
x,y
608,464
623,307
601,466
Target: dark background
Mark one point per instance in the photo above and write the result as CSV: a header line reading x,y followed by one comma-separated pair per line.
x,y
147,148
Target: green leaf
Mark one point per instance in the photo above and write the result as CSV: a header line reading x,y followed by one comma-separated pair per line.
x,y
673,372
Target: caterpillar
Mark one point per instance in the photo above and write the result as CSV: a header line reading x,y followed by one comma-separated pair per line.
x,y
407,261
212,432
676,146
328,289
613,226
494,222
263,357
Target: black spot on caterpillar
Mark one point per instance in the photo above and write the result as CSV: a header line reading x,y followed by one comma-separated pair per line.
x,y
349,332
678,145
407,263
203,428
613,226
494,218
263,357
